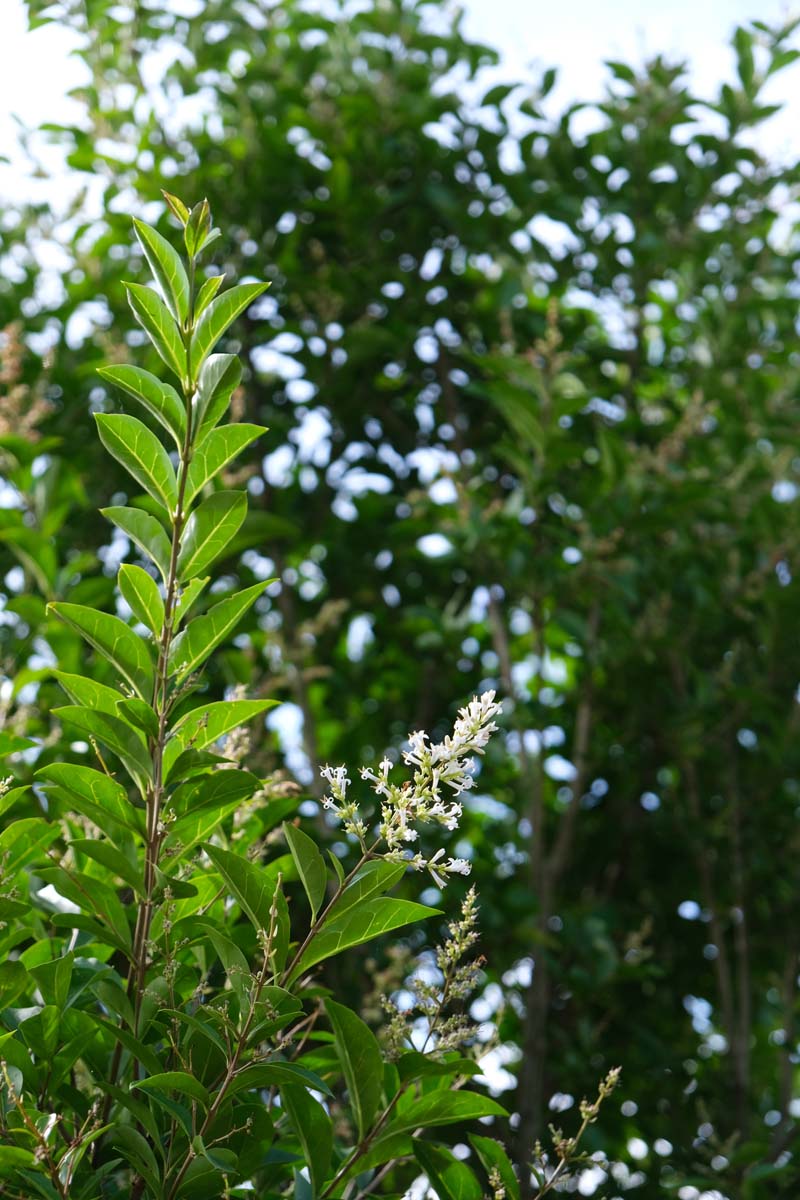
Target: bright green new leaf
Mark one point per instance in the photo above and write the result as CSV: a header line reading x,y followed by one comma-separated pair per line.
x,y
219,377
141,594
310,866
145,531
161,400
360,924
219,448
314,1130
187,598
207,293
154,318
141,453
221,312
198,227
115,640
209,530
192,647
362,1063
168,270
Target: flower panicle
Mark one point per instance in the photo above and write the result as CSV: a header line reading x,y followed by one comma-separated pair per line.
x,y
418,801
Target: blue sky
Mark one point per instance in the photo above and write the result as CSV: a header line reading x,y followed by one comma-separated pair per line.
x,y
575,35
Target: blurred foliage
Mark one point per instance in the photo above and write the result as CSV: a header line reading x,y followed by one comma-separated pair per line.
x,y
532,390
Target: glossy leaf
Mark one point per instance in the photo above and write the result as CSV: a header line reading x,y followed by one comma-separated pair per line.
x,y
93,793
192,647
252,884
216,451
205,725
154,318
313,1128
117,735
493,1156
220,375
310,866
221,312
142,596
141,453
209,530
115,640
145,531
450,1178
362,1063
168,270
444,1107
161,400
360,924
175,1081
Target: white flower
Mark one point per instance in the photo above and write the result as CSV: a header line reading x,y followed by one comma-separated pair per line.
x,y
418,801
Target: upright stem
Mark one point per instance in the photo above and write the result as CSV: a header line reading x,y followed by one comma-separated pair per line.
x,y
153,835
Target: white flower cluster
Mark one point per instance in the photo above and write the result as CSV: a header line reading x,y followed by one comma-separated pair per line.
x,y
419,801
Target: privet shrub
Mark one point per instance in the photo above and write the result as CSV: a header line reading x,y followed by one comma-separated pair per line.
x,y
165,1030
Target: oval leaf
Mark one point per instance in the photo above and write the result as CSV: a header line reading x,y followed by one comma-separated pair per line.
x,y
209,530
141,453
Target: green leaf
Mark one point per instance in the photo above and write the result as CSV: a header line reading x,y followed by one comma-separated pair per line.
x,y
145,531
115,640
276,1074
252,884
314,1130
176,206
207,293
450,1179
362,1063
141,453
204,633
216,451
137,1152
187,598
175,1081
444,1107
205,725
209,530
92,793
220,375
112,859
117,735
414,1065
53,978
14,1158
221,313
89,693
168,270
154,318
141,594
140,714
310,866
22,841
360,924
493,1154
375,878
161,400
198,227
